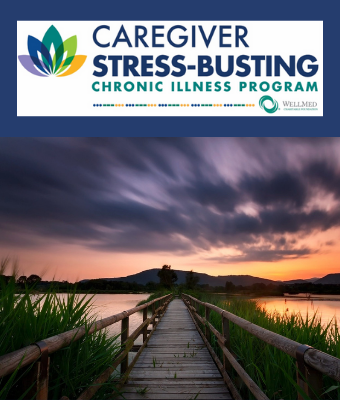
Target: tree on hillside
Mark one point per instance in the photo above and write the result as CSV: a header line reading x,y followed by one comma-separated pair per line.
x,y
258,287
21,281
167,277
229,287
191,280
5,279
32,280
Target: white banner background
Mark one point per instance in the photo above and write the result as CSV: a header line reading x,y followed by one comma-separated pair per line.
x,y
73,95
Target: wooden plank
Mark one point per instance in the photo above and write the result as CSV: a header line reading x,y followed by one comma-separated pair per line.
x,y
176,364
174,355
183,396
175,389
178,375
162,364
165,372
180,339
179,382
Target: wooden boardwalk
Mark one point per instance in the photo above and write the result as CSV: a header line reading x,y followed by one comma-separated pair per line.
x,y
176,363
173,362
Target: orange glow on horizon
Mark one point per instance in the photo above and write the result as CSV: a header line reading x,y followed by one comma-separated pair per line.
x,y
73,263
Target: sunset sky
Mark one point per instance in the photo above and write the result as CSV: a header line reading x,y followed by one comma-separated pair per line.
x,y
88,208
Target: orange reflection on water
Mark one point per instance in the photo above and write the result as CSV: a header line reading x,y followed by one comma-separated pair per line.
x,y
327,307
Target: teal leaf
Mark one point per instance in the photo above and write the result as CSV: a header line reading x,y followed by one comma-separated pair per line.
x,y
52,36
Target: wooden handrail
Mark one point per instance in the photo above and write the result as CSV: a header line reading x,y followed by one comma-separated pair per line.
x,y
88,393
312,363
256,391
322,362
27,355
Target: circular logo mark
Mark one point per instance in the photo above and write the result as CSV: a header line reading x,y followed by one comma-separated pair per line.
x,y
275,105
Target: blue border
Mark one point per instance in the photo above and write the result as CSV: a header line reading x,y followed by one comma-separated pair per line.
x,y
12,11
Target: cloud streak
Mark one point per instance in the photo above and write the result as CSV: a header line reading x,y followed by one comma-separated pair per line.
x,y
252,196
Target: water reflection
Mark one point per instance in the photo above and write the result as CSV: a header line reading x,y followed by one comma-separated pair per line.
x,y
327,307
110,304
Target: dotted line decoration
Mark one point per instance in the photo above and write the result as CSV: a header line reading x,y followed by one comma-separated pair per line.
x,y
173,105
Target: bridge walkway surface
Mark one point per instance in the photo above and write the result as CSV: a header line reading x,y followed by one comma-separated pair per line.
x,y
176,363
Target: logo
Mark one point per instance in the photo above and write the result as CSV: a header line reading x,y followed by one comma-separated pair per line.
x,y
274,108
40,61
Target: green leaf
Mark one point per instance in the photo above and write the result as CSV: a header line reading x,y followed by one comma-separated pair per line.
x,y
331,389
70,46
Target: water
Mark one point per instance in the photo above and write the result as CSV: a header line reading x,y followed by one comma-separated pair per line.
x,y
327,306
110,304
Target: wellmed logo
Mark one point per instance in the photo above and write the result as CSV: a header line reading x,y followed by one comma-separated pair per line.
x,y
265,101
300,104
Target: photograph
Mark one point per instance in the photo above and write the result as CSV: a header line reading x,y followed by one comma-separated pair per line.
x,y
169,200
169,268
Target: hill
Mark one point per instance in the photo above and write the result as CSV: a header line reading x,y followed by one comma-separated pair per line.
x,y
150,275
310,280
330,279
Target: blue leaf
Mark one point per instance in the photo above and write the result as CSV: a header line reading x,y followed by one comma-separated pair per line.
x,y
34,46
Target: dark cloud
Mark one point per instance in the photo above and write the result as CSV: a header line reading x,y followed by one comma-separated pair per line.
x,y
168,195
281,188
265,255
325,175
219,195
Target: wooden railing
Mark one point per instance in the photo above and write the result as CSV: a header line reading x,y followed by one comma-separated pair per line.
x,y
312,364
40,351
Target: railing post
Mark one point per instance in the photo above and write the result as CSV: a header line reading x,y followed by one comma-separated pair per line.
x,y
153,313
37,377
207,317
145,330
124,335
43,373
226,334
308,378
314,379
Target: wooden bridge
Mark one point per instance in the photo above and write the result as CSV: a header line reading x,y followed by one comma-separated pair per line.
x,y
176,364
176,359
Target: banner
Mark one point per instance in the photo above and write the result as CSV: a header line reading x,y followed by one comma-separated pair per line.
x,y
170,68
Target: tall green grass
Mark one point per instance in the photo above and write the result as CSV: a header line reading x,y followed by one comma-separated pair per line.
x,y
273,370
26,318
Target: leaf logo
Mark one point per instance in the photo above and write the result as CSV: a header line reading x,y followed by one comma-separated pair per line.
x,y
64,62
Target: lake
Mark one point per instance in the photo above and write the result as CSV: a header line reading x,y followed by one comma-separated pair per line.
x,y
327,306
110,304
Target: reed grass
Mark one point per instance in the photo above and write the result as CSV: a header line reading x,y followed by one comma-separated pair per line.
x,y
273,370
26,318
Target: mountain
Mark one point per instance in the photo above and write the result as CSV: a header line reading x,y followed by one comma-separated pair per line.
x,y
292,282
150,275
330,279
310,280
